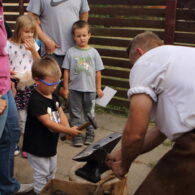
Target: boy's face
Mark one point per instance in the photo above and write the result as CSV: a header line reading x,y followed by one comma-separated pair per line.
x,y
47,86
81,37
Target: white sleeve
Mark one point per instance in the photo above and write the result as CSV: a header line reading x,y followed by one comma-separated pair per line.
x,y
67,60
84,6
34,6
147,76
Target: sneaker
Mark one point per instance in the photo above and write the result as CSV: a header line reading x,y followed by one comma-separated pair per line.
x,y
89,139
25,188
77,141
24,154
17,150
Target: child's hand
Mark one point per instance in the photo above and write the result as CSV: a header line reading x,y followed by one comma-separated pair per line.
x,y
99,93
13,88
13,75
64,92
3,105
74,131
29,44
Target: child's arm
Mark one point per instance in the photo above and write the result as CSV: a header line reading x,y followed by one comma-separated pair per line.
x,y
61,128
65,89
30,45
63,118
98,84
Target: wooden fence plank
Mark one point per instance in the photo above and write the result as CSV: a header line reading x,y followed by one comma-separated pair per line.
x,y
116,62
116,73
115,83
9,1
11,25
186,4
11,8
11,17
125,11
118,22
185,26
112,53
183,38
185,14
121,103
109,41
121,32
21,6
121,93
170,21
129,2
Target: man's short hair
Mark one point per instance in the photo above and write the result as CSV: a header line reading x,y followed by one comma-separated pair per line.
x,y
146,40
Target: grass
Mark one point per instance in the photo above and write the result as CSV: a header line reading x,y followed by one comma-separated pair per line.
x,y
152,164
112,109
167,143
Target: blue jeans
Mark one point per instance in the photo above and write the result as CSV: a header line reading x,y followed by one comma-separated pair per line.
x,y
11,132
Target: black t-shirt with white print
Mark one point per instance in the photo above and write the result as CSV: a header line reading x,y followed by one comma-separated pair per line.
x,y
38,139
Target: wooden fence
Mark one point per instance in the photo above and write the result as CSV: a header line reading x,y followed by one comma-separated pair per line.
x,y
115,22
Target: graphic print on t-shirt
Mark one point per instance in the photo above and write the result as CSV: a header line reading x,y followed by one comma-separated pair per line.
x,y
54,3
54,116
83,65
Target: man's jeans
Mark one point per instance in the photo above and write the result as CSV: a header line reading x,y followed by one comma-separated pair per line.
x,y
10,136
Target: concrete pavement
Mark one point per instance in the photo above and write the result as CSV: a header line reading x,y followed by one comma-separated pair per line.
x,y
108,123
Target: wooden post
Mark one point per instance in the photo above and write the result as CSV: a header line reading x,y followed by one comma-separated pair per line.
x,y
170,21
21,7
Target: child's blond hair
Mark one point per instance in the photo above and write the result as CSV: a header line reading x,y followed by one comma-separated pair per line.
x,y
22,23
46,67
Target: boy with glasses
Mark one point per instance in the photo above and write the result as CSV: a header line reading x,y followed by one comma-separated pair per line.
x,y
45,120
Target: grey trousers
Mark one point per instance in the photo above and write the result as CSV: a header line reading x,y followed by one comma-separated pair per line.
x,y
44,169
81,104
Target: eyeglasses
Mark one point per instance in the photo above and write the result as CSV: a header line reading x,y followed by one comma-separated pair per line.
x,y
50,84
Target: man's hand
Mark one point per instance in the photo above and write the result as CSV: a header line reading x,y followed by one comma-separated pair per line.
x,y
50,46
113,157
118,169
3,105
114,162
